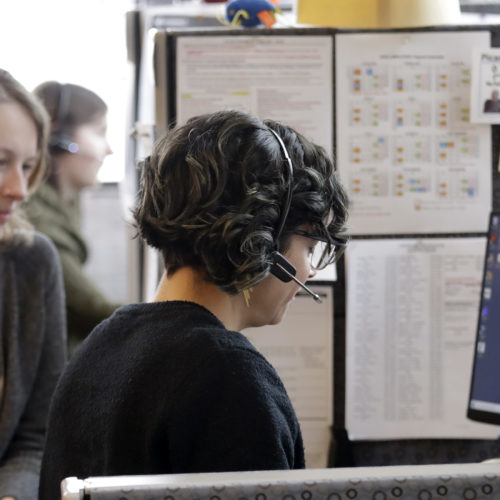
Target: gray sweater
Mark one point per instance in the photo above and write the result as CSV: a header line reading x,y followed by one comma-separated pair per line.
x,y
32,356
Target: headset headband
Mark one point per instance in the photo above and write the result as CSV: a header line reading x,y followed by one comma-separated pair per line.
x,y
61,139
63,107
288,199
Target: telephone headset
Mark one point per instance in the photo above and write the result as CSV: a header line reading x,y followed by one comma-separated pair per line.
x,y
60,139
281,267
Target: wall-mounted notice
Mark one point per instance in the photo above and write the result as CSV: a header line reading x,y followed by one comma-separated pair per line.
x,y
285,78
406,150
485,92
301,350
412,309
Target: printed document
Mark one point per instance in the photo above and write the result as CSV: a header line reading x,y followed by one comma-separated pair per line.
x,y
284,78
412,309
301,350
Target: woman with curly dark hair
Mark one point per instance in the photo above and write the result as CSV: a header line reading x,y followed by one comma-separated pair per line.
x,y
235,206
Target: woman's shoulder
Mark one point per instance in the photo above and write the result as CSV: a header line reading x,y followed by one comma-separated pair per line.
x,y
38,253
42,246
183,325
33,263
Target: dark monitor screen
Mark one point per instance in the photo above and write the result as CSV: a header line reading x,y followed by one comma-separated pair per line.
x,y
484,397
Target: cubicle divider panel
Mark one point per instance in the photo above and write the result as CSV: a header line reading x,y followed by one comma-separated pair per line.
x,y
467,481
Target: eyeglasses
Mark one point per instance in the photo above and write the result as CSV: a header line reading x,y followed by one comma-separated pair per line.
x,y
326,252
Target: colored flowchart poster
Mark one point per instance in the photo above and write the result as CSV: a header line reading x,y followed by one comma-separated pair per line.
x,y
406,149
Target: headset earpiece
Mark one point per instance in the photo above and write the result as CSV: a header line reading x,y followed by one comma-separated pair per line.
x,y
279,265
62,142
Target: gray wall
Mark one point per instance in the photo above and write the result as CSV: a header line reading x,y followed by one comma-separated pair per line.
x,y
105,229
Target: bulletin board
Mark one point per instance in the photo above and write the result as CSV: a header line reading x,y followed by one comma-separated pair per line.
x,y
331,85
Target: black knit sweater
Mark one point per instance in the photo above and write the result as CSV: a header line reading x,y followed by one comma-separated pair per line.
x,y
166,388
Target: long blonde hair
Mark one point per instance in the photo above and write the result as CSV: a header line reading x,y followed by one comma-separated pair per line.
x,y
11,91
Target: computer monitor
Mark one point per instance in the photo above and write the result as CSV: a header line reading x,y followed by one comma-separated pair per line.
x,y
484,396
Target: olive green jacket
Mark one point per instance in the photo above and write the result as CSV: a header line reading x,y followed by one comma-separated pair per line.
x,y
86,305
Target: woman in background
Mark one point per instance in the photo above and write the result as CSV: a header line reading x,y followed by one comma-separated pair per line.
x,y
32,319
78,146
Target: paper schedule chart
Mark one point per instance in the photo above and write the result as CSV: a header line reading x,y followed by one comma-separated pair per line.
x,y
411,323
301,350
405,147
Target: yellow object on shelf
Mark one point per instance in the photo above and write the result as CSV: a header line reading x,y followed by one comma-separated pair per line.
x,y
378,13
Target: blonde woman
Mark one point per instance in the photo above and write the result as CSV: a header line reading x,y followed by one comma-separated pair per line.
x,y
32,318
